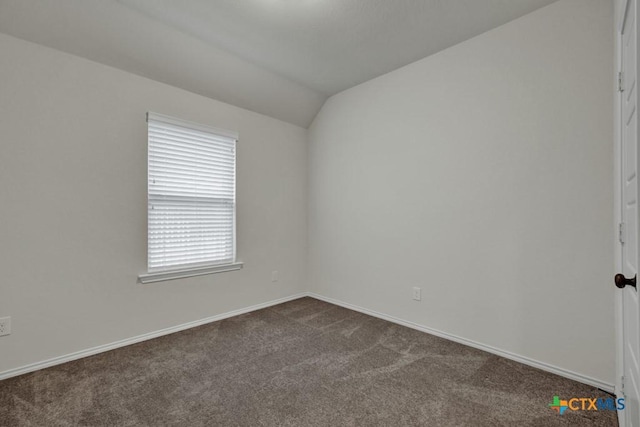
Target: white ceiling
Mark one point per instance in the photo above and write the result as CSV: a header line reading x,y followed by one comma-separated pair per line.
x,y
331,45
277,57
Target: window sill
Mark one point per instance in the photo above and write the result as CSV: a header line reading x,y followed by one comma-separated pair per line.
x,y
161,276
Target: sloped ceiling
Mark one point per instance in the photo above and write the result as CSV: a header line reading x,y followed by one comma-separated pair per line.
x,y
282,58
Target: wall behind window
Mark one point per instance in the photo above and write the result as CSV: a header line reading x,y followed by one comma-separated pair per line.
x,y
484,175
73,144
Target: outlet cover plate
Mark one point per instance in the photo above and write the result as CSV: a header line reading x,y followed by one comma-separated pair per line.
x,y
5,326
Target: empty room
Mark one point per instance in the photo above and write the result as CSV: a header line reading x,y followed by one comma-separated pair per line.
x,y
319,213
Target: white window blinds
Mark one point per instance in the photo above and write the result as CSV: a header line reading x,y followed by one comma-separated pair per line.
x,y
191,194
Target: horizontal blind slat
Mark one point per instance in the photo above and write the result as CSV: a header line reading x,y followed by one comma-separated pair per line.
x,y
184,259
176,140
164,202
186,251
190,159
215,246
168,169
176,192
192,218
165,146
192,133
184,181
209,242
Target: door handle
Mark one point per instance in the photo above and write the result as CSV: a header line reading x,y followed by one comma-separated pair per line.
x,y
622,281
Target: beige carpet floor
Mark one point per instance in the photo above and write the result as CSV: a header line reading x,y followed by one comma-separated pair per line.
x,y
302,363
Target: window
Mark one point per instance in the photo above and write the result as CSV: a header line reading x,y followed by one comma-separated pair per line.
x,y
191,199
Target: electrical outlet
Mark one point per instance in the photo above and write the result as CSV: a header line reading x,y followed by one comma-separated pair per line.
x,y
274,276
417,293
5,326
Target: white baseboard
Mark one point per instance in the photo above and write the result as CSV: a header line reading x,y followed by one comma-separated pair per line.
x,y
144,337
133,340
489,349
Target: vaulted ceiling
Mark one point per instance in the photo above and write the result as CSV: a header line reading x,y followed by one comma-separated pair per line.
x,y
282,58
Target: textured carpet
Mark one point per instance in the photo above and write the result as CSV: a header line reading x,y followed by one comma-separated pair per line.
x,y
302,363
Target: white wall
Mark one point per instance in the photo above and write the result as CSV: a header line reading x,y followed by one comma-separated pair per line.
x,y
73,206
482,174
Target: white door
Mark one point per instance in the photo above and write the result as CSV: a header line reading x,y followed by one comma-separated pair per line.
x,y
629,231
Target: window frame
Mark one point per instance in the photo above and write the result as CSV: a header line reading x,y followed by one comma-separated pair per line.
x,y
194,269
